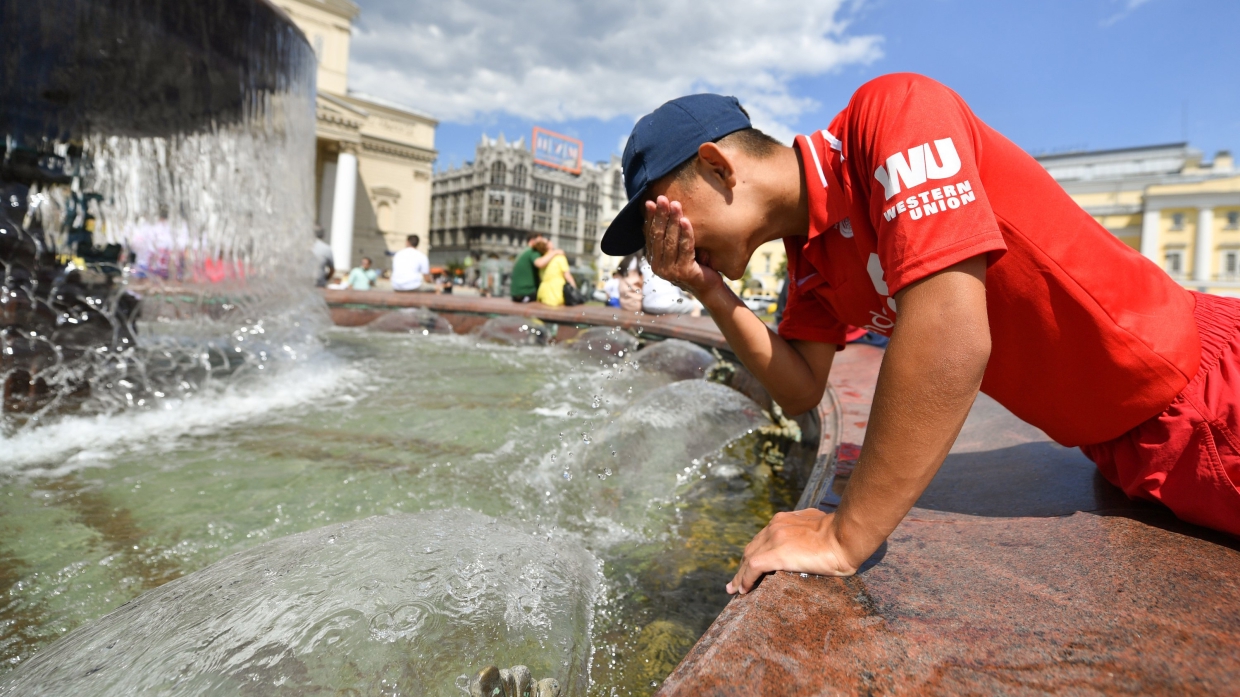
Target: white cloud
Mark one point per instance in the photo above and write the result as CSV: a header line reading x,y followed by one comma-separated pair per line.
x,y
557,59
1128,7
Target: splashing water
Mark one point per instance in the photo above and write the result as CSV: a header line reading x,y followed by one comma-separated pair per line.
x,y
151,244
406,603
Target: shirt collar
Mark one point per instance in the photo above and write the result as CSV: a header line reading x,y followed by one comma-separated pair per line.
x,y
826,207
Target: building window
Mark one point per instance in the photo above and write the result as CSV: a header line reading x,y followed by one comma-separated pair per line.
x,y
568,226
518,176
542,196
495,216
517,219
498,173
570,193
1174,263
542,223
618,196
568,209
496,199
518,201
1177,221
1233,220
592,194
1229,265
591,231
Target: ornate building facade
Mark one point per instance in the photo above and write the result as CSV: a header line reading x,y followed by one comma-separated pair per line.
x,y
488,206
373,160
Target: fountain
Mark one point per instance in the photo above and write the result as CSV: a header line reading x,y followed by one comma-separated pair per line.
x,y
208,491
155,166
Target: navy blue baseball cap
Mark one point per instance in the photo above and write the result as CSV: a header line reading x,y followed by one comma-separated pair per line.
x,y
661,141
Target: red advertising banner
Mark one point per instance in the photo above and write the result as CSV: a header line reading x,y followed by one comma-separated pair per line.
x,y
555,150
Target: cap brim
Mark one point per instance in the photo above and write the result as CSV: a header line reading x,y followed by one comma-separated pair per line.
x,y
624,236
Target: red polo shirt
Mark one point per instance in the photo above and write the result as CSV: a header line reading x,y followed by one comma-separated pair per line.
x,y
1088,338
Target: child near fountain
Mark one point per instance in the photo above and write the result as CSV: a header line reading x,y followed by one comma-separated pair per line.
x,y
912,218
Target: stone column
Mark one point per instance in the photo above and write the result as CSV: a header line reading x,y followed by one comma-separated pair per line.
x,y
1150,230
1204,245
343,201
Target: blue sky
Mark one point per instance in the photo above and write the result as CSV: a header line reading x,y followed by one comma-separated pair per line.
x,y
1052,76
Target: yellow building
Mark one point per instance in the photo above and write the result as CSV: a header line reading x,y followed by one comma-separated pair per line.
x,y
373,161
1164,201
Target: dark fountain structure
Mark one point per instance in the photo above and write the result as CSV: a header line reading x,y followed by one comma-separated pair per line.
x,y
104,107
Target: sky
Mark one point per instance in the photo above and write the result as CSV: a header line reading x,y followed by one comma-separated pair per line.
x,y
1052,75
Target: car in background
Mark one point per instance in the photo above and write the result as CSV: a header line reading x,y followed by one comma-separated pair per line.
x,y
761,304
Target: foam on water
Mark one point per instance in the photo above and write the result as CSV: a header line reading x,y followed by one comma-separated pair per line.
x,y
75,442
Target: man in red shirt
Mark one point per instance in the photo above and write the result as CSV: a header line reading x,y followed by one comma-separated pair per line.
x,y
910,217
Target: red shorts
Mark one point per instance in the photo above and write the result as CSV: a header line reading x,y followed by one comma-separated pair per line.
x,y
1188,457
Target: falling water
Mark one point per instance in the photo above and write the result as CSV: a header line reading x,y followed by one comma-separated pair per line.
x,y
156,185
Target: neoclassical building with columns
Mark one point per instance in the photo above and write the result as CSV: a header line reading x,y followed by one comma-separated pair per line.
x,y
373,159
1164,200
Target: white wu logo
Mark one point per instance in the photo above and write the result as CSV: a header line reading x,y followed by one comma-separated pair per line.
x,y
919,167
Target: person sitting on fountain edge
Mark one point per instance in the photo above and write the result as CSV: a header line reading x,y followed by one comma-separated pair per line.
x,y
912,218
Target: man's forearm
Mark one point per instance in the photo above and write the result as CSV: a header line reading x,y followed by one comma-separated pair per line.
x,y
928,381
779,366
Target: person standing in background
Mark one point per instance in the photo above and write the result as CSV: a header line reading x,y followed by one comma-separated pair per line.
x,y
489,268
325,263
631,282
612,289
554,276
525,272
411,270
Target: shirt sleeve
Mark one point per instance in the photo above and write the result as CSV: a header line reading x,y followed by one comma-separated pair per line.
x,y
806,317
916,151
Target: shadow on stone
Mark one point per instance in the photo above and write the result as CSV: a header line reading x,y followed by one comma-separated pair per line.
x,y
1038,479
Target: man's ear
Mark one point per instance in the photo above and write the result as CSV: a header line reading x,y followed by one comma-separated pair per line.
x,y
717,164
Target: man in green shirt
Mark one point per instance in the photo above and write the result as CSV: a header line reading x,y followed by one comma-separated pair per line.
x,y
525,270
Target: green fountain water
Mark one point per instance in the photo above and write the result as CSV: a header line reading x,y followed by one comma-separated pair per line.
x,y
99,509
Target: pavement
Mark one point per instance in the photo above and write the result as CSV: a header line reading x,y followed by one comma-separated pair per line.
x,y
1021,571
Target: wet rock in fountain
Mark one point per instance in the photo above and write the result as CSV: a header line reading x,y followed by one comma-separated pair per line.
x,y
606,343
411,320
388,604
513,331
547,687
516,681
682,360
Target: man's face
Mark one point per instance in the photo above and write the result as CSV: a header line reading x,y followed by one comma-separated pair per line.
x,y
365,263
727,226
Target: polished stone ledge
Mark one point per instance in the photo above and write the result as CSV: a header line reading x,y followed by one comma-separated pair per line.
x,y
357,307
1021,571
